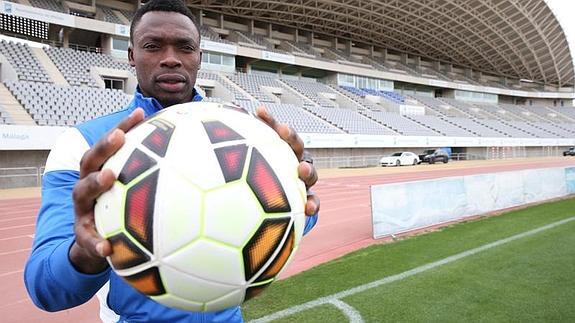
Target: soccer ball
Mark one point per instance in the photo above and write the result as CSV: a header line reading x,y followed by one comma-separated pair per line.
x,y
207,209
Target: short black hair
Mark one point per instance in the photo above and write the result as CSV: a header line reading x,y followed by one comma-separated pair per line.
x,y
177,6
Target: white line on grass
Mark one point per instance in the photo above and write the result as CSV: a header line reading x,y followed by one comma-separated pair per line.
x,y
332,299
351,313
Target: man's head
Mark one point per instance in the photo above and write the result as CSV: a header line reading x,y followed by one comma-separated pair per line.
x,y
165,50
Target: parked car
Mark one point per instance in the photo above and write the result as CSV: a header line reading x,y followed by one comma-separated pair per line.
x,y
433,155
399,159
569,152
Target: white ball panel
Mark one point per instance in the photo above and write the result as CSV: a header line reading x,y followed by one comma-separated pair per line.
x,y
232,213
210,261
109,211
176,302
192,154
299,225
232,299
178,212
191,288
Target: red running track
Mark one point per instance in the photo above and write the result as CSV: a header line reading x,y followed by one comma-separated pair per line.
x,y
344,226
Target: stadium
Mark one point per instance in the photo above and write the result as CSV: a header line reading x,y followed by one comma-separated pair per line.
x,y
491,82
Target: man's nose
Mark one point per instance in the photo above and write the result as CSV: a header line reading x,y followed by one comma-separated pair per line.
x,y
170,58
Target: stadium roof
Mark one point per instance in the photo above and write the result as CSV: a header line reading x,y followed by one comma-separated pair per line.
x,y
518,39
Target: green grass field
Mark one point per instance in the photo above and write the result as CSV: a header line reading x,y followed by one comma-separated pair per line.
x,y
528,279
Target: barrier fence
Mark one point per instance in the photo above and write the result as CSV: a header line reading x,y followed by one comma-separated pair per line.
x,y
20,176
32,176
406,206
372,160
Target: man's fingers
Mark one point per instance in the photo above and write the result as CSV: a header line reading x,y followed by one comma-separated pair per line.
x,y
312,204
307,174
90,240
133,119
264,115
94,158
89,188
283,130
292,138
104,248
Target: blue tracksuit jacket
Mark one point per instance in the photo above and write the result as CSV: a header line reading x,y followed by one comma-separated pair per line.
x,y
51,280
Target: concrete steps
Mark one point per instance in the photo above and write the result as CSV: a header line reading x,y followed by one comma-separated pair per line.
x,y
14,108
49,66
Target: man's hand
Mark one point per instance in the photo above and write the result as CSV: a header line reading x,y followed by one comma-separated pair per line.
x,y
306,170
89,250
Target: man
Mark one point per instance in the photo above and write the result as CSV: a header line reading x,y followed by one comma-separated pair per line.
x,y
67,265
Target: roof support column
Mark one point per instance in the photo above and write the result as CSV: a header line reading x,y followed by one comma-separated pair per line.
x,y
403,58
437,66
417,61
221,21
348,45
270,31
296,35
64,36
384,54
311,37
200,17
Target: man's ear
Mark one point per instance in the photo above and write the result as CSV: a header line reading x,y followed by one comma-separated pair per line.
x,y
131,56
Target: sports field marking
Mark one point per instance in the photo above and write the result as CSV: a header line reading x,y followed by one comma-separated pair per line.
x,y
12,273
18,226
14,251
355,316
350,312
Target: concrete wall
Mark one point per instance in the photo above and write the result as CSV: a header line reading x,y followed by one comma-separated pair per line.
x,y
21,168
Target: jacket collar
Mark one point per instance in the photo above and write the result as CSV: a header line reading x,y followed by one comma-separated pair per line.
x,y
150,104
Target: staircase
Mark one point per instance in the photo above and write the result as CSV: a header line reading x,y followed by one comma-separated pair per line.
x,y
49,66
14,108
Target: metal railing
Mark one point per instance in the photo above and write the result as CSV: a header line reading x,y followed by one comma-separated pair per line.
x,y
346,161
30,175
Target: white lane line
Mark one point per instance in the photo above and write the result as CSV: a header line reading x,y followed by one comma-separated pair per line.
x,y
403,275
19,272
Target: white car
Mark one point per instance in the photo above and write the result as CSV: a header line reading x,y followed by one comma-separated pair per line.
x,y
400,158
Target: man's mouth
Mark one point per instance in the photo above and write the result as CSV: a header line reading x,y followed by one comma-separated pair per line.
x,y
171,82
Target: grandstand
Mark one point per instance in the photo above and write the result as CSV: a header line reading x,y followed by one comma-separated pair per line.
x,y
354,80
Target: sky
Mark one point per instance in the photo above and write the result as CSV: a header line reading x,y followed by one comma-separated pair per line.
x,y
564,10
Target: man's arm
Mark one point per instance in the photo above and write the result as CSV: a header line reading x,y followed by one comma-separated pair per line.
x,y
51,279
67,265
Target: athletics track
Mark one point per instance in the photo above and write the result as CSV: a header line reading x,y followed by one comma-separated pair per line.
x,y
344,226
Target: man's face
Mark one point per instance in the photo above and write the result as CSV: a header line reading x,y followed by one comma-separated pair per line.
x,y
165,51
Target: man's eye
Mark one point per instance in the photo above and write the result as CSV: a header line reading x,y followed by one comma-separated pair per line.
x,y
150,46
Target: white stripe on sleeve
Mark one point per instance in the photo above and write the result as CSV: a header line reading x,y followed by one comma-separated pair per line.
x,y
68,151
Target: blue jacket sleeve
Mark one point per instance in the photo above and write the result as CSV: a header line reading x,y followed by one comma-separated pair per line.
x,y
51,280
310,222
